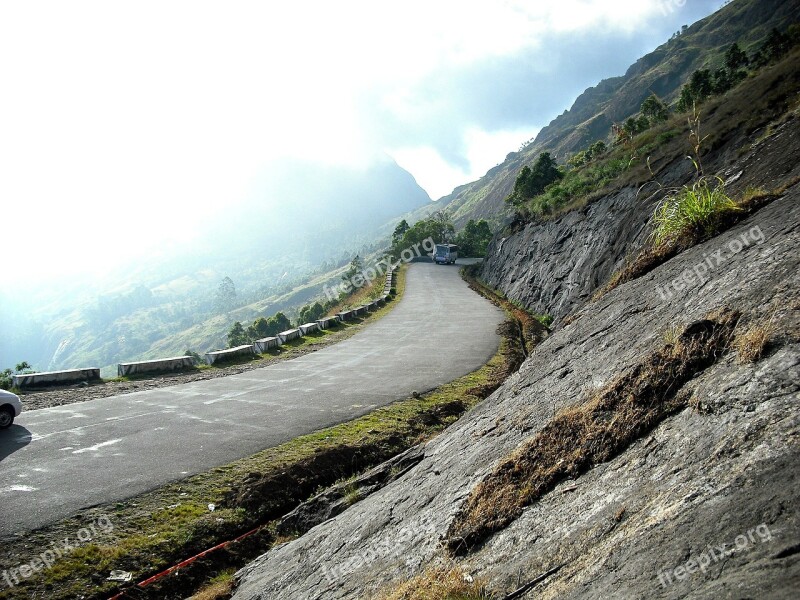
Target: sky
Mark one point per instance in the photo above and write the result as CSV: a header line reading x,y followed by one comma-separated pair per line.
x,y
129,124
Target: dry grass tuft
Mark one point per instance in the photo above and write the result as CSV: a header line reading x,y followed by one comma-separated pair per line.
x,y
583,436
437,583
619,514
647,260
219,588
671,335
752,341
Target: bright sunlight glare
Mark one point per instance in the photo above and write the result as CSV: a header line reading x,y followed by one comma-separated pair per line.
x,y
125,127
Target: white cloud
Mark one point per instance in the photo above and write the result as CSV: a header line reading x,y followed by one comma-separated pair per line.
x,y
130,123
484,150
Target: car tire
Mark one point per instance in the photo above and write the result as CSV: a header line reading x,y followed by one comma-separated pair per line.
x,y
6,417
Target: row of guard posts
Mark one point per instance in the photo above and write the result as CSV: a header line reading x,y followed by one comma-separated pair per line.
x,y
179,363
284,337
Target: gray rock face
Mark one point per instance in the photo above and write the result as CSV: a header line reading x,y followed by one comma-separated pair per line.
x,y
555,267
714,485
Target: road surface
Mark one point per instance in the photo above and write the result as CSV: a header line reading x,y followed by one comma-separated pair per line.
x,y
56,461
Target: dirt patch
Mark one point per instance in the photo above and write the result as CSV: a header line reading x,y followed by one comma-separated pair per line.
x,y
592,433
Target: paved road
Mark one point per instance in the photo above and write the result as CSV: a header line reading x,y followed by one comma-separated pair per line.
x,y
55,461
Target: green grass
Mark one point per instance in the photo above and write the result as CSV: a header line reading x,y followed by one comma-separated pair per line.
x,y
351,491
695,210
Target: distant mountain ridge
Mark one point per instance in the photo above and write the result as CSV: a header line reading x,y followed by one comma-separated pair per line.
x,y
662,71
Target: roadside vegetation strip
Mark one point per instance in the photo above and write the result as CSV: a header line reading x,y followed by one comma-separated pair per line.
x,y
583,436
162,528
531,329
33,400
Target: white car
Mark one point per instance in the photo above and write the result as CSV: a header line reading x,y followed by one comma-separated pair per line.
x,y
10,407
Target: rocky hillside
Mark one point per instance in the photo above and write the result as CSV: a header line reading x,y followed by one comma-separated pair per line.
x,y
647,449
662,71
555,267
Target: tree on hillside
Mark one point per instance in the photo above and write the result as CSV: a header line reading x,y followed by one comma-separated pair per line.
x,y
6,379
400,231
736,58
442,226
696,91
474,238
597,149
532,181
356,266
724,79
585,156
310,312
630,128
279,322
654,109
437,227
7,375
226,295
774,47
237,336
259,329
263,327
579,159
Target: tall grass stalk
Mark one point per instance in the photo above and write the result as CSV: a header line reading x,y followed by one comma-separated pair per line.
x,y
693,210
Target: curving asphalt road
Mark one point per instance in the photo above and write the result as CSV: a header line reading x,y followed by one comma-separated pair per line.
x,y
56,461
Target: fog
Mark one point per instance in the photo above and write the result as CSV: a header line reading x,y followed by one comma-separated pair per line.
x,y
151,142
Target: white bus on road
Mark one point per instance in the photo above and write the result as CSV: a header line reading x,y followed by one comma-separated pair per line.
x,y
445,254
